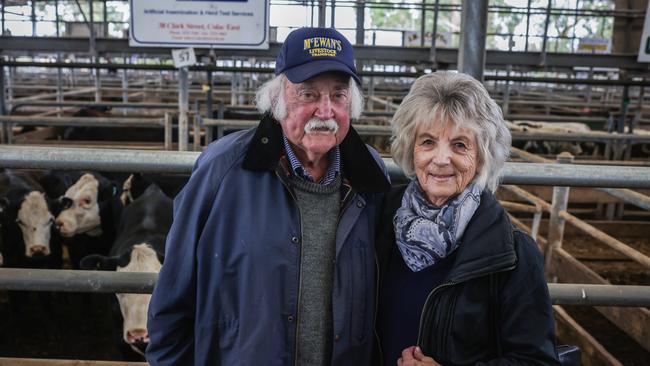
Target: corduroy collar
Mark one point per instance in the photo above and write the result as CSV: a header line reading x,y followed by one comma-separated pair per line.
x,y
357,163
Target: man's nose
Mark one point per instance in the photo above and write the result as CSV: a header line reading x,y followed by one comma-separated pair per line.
x,y
324,110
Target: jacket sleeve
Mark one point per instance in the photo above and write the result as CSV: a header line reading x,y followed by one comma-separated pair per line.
x,y
171,316
527,327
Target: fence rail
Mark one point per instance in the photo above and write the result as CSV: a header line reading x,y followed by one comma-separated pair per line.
x,y
21,279
181,162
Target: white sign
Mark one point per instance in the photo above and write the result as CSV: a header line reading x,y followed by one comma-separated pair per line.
x,y
200,23
412,39
644,46
184,57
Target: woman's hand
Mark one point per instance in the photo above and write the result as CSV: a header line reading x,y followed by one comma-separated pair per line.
x,y
413,356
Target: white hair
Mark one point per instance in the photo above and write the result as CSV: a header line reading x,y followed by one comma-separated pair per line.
x,y
448,97
270,98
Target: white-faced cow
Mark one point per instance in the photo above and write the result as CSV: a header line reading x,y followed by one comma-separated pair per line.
x,y
28,235
139,247
29,240
88,213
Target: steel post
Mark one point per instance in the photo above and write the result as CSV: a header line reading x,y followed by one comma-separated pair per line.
x,y
59,84
32,18
2,22
98,85
322,9
196,129
361,16
3,107
434,35
125,85
423,17
209,101
240,88
233,87
471,54
9,96
542,60
556,222
183,107
168,131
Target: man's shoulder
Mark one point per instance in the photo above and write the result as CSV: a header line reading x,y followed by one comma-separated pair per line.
x,y
226,150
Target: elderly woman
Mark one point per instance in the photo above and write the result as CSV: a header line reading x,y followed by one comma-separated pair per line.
x,y
458,284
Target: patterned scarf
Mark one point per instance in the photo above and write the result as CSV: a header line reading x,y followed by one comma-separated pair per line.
x,y
425,234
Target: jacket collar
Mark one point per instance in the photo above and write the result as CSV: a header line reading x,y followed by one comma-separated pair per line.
x,y
487,245
358,165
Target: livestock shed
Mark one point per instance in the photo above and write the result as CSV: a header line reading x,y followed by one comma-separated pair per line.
x,y
106,105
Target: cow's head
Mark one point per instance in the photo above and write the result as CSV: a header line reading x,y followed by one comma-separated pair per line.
x,y
142,258
35,222
80,208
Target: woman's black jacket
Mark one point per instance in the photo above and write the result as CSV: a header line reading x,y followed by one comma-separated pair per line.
x,y
497,279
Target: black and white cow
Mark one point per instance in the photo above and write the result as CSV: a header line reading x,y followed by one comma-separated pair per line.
x,y
88,214
29,240
139,247
28,234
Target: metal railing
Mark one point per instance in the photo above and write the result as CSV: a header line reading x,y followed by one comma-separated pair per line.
x,y
385,130
181,162
21,279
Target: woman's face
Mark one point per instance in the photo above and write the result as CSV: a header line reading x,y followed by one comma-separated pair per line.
x,y
445,160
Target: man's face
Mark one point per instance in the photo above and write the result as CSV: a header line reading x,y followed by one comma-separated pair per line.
x,y
318,114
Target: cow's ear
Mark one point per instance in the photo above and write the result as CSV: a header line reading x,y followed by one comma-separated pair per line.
x,y
98,262
124,259
161,258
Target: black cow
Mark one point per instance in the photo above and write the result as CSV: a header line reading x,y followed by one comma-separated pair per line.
x,y
28,234
29,240
139,247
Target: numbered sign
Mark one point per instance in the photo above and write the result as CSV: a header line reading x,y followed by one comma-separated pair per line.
x,y
184,57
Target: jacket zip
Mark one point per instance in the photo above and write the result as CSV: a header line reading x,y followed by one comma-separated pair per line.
x,y
447,284
295,338
374,327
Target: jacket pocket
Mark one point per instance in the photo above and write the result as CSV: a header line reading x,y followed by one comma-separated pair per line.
x,y
221,341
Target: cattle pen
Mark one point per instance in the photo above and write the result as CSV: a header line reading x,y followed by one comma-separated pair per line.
x,y
86,95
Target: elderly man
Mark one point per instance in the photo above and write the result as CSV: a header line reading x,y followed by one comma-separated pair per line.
x,y
269,260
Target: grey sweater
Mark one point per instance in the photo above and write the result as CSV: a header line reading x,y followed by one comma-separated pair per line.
x,y
319,209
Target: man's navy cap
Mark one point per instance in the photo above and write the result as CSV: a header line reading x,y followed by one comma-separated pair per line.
x,y
308,52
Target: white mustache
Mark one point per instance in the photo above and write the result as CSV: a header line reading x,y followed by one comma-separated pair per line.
x,y
315,125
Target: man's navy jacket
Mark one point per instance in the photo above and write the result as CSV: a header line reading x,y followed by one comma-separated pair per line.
x,y
228,291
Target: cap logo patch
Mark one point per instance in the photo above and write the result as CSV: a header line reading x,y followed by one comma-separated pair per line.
x,y
322,46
